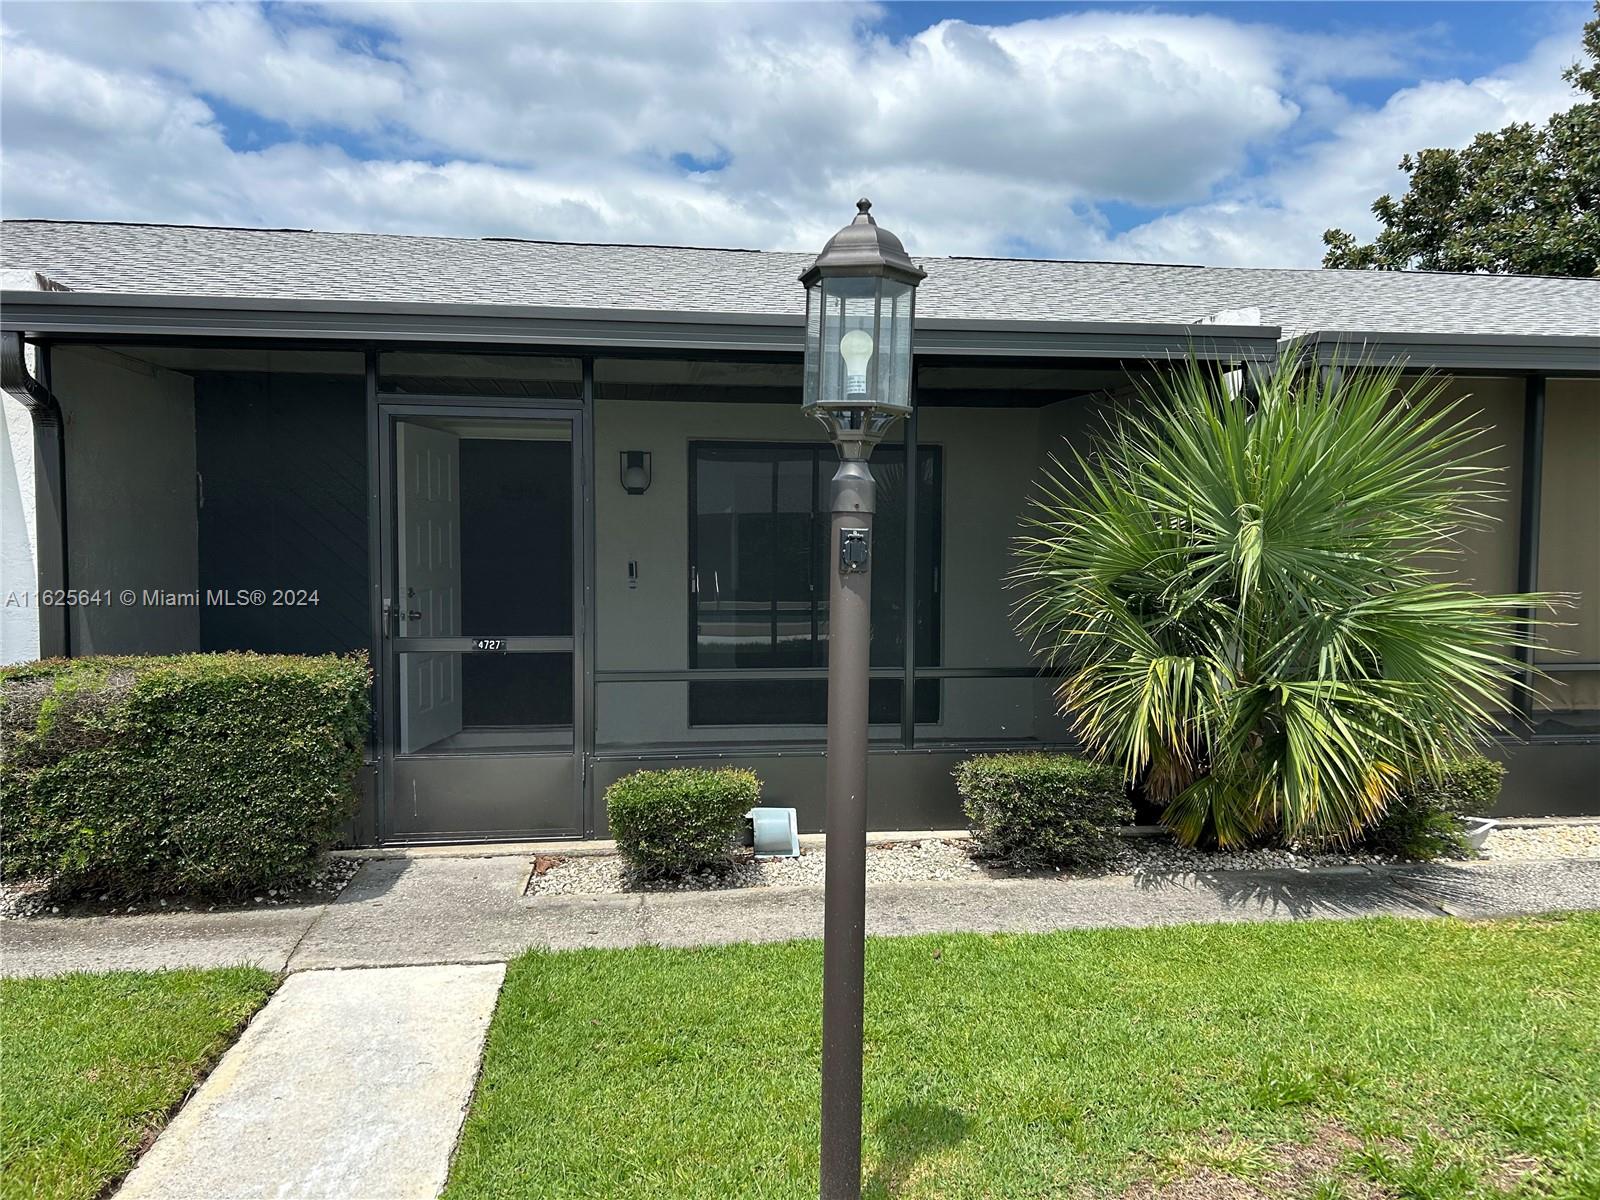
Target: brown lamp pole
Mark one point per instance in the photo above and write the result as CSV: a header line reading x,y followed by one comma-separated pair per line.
x,y
860,297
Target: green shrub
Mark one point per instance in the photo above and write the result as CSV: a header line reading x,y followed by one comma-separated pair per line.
x,y
668,823
1423,821
1036,810
199,773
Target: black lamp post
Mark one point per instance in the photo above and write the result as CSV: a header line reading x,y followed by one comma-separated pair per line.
x,y
860,293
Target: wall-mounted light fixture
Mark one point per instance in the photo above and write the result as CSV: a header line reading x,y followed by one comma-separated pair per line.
x,y
636,472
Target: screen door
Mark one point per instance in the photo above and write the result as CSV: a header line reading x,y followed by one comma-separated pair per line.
x,y
480,618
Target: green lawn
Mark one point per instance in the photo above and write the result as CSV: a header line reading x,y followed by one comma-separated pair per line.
x,y
90,1065
1376,1058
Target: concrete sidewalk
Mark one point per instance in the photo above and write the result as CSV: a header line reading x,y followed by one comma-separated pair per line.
x,y
153,941
409,911
348,1084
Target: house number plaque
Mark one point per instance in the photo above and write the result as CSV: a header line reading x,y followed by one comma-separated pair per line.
x,y
488,643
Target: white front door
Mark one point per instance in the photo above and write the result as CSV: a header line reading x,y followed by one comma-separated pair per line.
x,y
429,518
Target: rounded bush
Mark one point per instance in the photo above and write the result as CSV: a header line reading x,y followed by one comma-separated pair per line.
x,y
669,823
199,773
1423,821
1036,810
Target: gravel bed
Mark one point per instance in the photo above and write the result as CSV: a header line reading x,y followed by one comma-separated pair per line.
x,y
30,898
907,862
895,862
1543,843
1159,857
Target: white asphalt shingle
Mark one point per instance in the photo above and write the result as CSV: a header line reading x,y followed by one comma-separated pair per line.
x,y
299,264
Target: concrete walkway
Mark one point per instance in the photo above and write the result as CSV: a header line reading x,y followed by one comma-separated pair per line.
x,y
347,1085
409,911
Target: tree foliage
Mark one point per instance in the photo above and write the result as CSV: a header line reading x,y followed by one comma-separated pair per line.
x,y
1523,200
1233,589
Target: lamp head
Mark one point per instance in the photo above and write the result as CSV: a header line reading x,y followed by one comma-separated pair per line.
x,y
860,301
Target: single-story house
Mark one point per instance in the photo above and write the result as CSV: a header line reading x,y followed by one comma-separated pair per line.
x,y
565,498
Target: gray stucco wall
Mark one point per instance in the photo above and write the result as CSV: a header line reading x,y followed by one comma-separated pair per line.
x,y
131,511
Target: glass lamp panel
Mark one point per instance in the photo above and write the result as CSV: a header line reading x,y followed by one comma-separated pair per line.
x,y
813,351
894,341
846,360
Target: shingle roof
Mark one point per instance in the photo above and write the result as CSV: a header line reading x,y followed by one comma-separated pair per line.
x,y
299,264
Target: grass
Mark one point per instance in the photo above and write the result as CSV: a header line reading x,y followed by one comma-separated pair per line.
x,y
1409,1059
90,1066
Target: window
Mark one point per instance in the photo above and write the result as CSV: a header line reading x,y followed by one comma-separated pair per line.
x,y
758,551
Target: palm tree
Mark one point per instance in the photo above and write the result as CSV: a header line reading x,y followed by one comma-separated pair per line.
x,y
1238,591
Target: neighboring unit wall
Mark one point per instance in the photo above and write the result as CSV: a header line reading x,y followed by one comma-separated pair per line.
x,y
1487,558
131,523
1569,543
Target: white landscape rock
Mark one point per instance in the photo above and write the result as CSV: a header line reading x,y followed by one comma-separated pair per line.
x,y
1544,843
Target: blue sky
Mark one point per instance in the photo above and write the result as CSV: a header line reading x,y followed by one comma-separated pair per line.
x,y
1219,133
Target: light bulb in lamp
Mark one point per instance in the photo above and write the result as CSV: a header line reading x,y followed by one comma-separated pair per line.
x,y
855,348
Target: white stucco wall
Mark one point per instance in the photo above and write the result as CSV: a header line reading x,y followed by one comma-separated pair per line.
x,y
19,575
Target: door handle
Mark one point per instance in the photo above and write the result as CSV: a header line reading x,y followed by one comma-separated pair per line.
x,y
392,616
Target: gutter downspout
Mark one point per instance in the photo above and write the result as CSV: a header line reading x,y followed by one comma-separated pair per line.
x,y
50,496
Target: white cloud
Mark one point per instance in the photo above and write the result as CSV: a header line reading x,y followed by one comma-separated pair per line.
x,y
563,121
1278,219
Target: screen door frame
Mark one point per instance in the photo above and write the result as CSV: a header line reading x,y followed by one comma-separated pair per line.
x,y
493,794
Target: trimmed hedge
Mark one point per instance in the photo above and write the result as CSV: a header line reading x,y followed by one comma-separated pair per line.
x,y
1423,821
1035,810
198,773
669,823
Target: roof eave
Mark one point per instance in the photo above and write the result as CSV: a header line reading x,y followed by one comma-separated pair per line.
x,y
81,315
1487,352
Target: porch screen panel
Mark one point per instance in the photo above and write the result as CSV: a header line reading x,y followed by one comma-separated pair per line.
x,y
759,580
494,376
1569,557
